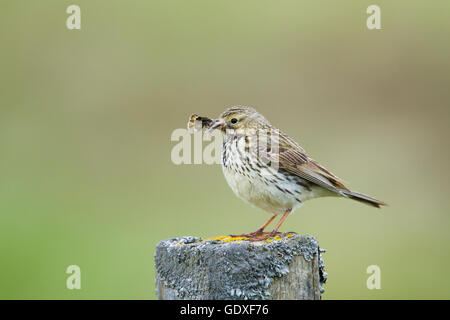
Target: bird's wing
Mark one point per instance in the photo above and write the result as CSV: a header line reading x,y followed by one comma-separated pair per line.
x,y
292,158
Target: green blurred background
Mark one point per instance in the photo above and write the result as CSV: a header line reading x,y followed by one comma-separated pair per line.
x,y
86,118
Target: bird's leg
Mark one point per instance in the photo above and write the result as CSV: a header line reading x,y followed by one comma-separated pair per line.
x,y
274,231
258,232
261,229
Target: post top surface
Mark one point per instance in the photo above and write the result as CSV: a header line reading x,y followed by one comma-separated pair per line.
x,y
226,264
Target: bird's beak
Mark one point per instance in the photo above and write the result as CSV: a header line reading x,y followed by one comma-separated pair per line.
x,y
216,124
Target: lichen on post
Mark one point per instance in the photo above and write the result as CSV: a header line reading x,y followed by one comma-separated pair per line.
x,y
232,268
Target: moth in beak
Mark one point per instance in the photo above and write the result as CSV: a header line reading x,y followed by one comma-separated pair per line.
x,y
198,123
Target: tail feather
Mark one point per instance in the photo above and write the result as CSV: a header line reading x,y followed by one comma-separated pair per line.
x,y
363,198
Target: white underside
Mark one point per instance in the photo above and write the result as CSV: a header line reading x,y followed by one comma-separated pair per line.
x,y
260,192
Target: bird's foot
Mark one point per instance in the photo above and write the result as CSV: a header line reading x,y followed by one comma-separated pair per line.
x,y
256,233
268,235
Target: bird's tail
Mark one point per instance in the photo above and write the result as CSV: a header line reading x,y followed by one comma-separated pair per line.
x,y
362,198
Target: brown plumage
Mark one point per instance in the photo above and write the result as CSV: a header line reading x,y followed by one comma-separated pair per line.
x,y
293,159
268,169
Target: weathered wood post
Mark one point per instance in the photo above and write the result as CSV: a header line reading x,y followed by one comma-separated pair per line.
x,y
228,268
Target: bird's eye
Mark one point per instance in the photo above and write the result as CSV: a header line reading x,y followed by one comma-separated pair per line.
x,y
234,120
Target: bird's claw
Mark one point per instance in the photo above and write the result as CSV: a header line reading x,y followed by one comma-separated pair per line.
x,y
268,235
249,235
259,235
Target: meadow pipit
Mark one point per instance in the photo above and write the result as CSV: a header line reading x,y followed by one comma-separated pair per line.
x,y
268,169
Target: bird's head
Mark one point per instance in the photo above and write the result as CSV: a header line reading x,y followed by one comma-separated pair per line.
x,y
239,118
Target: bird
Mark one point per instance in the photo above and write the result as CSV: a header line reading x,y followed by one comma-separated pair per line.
x,y
269,170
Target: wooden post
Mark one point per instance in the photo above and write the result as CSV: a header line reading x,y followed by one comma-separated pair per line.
x,y
228,268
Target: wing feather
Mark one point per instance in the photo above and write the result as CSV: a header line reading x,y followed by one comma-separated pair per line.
x,y
293,158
